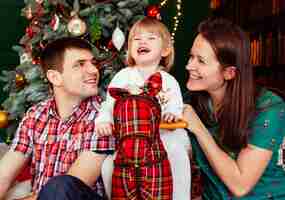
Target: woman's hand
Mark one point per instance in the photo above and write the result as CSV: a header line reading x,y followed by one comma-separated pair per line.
x,y
238,175
195,125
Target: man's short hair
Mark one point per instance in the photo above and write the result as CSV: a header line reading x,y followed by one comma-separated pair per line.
x,y
53,54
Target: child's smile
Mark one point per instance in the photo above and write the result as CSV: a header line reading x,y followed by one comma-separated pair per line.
x,y
147,48
143,50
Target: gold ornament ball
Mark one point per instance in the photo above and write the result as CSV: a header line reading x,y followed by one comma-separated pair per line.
x,y
76,26
20,80
3,119
29,13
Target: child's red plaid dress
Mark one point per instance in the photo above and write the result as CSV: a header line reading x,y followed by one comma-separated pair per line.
x,y
141,166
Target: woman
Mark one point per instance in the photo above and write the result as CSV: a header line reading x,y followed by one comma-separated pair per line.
x,y
238,131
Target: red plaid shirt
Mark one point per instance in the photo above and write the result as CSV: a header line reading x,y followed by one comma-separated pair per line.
x,y
54,144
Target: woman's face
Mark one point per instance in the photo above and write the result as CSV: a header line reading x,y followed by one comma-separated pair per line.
x,y
205,71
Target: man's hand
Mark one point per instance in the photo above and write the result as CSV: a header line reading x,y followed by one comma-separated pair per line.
x,y
10,166
103,129
29,197
87,167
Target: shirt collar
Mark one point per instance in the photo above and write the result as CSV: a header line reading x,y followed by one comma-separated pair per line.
x,y
78,110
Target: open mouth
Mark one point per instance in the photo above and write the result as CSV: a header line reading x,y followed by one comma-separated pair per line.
x,y
91,81
195,76
143,50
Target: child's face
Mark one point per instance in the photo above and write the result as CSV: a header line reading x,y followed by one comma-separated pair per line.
x,y
147,48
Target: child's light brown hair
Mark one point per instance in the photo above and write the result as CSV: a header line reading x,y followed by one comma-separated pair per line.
x,y
153,25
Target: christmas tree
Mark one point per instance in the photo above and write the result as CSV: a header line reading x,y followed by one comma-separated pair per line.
x,y
104,23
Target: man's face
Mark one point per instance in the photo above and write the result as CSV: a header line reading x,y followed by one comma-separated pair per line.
x,y
79,78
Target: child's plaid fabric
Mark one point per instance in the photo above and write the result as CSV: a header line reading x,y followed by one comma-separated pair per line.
x,y
142,170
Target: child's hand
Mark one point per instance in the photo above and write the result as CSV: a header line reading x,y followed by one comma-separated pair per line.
x,y
103,129
169,117
171,122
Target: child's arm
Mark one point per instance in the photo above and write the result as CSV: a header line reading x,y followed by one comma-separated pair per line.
x,y
105,114
104,120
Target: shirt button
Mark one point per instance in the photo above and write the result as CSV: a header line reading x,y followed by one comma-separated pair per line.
x,y
269,196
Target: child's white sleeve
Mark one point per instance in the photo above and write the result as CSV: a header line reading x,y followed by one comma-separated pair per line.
x,y
175,100
105,114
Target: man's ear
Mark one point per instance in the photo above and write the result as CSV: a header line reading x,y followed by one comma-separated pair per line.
x,y
230,72
54,77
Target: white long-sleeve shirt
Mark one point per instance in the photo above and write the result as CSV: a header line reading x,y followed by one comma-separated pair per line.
x,y
170,97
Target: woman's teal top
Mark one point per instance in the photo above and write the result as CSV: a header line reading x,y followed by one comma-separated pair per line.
x,y
267,130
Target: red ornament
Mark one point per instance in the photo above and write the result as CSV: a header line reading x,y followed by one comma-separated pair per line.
x,y
61,10
30,32
40,10
153,11
110,45
36,61
54,23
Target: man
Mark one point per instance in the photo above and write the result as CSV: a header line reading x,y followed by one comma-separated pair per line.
x,y
57,135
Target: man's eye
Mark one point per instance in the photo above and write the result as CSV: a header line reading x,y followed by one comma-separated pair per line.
x,y
94,61
96,64
79,64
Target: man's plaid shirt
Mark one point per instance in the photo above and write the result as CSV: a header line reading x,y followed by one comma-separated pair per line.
x,y
54,144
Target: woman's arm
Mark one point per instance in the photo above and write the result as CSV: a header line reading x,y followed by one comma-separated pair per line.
x,y
239,175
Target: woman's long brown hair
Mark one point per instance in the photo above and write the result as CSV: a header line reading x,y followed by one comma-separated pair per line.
x,y
232,48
